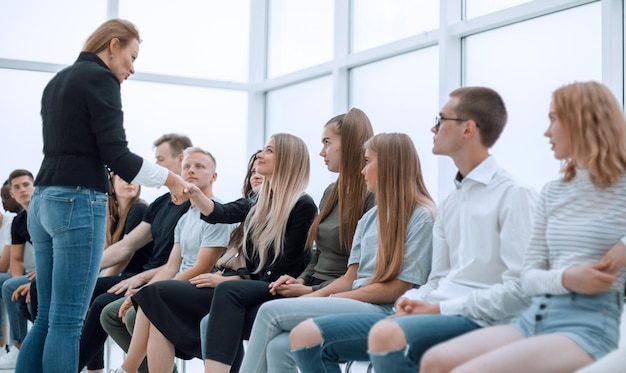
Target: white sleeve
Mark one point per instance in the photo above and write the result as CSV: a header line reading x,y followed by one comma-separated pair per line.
x,y
440,266
151,175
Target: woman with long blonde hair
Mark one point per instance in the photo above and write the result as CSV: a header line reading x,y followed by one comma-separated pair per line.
x,y
344,202
391,251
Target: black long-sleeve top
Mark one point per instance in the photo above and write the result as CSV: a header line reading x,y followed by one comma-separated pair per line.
x,y
81,111
294,257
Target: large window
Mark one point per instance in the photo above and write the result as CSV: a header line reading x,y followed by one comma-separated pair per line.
x,y
197,38
20,97
302,110
527,61
475,8
49,31
183,46
213,119
400,94
379,22
300,34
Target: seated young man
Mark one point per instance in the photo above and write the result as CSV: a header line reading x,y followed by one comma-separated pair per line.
x,y
21,267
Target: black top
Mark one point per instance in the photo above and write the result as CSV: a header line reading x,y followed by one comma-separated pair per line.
x,y
81,111
294,257
162,215
141,256
19,229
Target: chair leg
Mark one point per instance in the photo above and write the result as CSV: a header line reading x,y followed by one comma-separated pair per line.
x,y
348,366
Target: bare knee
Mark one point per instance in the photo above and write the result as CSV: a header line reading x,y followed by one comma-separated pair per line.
x,y
386,336
305,334
434,360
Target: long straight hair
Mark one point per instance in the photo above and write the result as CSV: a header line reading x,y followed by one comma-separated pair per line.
x,y
349,192
595,123
116,217
401,189
266,222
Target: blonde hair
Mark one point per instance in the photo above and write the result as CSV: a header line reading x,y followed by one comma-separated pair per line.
x,y
121,29
400,189
116,218
349,192
595,124
266,222
197,149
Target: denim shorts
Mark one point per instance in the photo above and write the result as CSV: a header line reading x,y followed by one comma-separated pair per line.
x,y
591,321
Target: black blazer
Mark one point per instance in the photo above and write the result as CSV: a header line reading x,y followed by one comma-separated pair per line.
x,y
295,255
81,111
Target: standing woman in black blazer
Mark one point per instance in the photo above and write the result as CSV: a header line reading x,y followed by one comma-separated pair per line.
x,y
83,134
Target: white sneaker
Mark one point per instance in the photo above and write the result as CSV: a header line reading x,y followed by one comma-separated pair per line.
x,y
9,360
3,351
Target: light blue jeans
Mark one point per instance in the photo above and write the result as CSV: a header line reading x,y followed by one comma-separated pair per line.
x,y
67,228
268,346
18,324
422,332
3,277
204,325
344,339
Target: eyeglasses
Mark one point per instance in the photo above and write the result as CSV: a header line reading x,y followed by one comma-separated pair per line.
x,y
440,119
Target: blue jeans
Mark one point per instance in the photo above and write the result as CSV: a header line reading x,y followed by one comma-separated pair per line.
x,y
268,346
67,228
18,324
204,324
422,332
3,277
345,339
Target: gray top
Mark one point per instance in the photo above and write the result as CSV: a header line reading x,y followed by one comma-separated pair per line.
x,y
417,251
329,258
193,233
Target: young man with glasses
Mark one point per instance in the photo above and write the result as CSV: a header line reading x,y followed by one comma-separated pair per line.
x,y
479,239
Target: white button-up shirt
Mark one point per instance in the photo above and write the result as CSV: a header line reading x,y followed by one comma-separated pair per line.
x,y
480,235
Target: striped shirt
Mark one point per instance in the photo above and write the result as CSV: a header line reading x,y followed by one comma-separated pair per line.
x,y
575,223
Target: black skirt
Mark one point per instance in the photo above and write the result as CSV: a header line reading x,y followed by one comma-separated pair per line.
x,y
176,309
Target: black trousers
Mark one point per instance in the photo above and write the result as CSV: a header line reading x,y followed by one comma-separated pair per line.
x,y
233,309
93,337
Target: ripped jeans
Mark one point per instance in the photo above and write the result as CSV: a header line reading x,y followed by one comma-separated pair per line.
x,y
345,339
